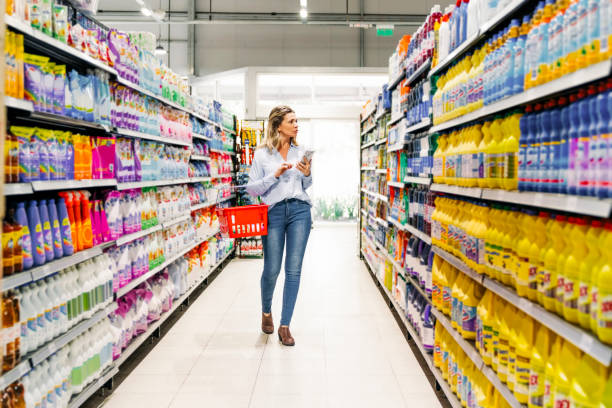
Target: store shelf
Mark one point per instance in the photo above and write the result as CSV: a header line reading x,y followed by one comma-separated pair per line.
x,y
16,103
202,205
199,179
582,339
370,113
368,192
135,282
131,237
417,74
146,136
199,157
16,373
470,350
397,184
409,228
368,169
382,198
136,343
364,212
425,123
578,78
451,58
160,98
200,137
54,46
92,388
381,221
230,197
417,180
233,132
53,185
175,221
382,114
372,243
369,129
575,204
394,121
221,151
381,171
395,81
219,176
380,141
50,268
396,147
153,183
474,192
590,206
38,356
67,121
365,146
17,189
452,399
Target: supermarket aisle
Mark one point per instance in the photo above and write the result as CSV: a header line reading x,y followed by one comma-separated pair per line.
x,y
349,351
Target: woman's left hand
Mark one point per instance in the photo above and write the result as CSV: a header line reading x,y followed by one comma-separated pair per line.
x,y
304,167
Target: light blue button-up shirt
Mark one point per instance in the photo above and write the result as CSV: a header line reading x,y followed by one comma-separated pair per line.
x,y
291,184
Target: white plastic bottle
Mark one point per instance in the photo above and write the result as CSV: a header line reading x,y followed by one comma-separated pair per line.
x,y
53,305
45,302
60,287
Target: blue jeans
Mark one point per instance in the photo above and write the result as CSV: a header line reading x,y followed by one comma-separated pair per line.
x,y
288,220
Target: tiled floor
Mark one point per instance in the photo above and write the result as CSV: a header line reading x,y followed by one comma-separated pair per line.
x,y
349,352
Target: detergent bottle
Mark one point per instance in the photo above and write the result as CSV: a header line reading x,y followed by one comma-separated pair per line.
x,y
600,263
604,296
586,271
471,298
565,371
550,370
540,355
503,346
526,268
588,383
561,259
524,352
449,276
606,398
571,275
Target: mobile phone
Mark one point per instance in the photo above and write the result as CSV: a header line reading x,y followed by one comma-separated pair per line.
x,y
307,155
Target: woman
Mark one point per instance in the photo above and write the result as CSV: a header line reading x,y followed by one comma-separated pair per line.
x,y
280,175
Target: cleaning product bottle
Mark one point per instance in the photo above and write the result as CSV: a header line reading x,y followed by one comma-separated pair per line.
x,y
578,107
26,238
540,355
602,165
535,254
604,285
74,227
86,228
471,299
606,398
513,327
561,259
524,352
588,383
519,57
36,233
526,267
547,275
504,338
585,272
571,275
485,326
565,372
555,147
55,229
549,373
47,232
594,292
65,227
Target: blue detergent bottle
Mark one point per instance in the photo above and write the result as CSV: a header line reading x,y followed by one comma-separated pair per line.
x,y
555,143
574,116
65,228
510,55
582,160
602,168
47,233
523,143
532,149
36,233
563,161
544,150
518,84
26,239
591,154
55,229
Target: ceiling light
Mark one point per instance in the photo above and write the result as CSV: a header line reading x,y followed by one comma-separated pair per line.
x,y
303,13
159,50
303,3
145,11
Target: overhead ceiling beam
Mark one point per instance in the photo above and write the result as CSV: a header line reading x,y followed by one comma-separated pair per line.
x,y
182,17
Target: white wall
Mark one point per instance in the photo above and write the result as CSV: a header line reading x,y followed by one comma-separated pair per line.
x,y
221,47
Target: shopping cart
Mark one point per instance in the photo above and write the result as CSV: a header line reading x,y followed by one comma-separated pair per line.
x,y
245,221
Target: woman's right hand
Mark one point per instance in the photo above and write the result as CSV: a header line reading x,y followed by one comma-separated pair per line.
x,y
282,169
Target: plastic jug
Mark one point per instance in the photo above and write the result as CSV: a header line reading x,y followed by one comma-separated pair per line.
x,y
540,355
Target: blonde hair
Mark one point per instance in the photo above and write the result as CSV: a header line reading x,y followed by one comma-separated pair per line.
x,y
277,115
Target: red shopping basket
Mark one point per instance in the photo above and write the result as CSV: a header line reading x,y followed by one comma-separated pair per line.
x,y
245,221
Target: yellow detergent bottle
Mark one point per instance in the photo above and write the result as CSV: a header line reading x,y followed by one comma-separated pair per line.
x,y
438,159
503,347
588,383
476,143
459,375
470,300
551,369
452,368
540,354
457,295
503,268
548,276
515,220
561,259
606,398
436,288
512,149
450,173
586,271
525,266
487,140
543,278
492,246
479,235
485,327
513,326
437,354
569,359
604,296
571,270
498,308
482,180
494,153
601,262
535,254
524,350
445,353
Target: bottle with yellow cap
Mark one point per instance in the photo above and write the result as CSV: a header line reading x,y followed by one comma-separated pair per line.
x,y
540,355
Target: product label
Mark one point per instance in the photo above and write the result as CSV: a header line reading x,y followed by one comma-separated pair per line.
x,y
562,400
502,355
605,311
487,340
522,375
560,292
536,386
546,286
593,308
571,294
446,297
584,301
468,317
532,161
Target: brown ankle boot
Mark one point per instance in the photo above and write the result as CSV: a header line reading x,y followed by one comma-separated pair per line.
x,y
267,324
284,335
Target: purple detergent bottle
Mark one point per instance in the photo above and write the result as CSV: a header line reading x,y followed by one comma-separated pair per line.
x,y
55,229
26,239
36,233
46,228
65,229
